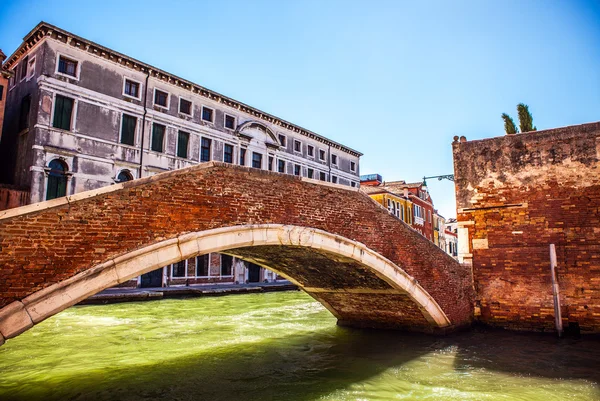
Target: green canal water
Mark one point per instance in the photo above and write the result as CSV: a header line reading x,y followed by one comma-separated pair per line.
x,y
279,346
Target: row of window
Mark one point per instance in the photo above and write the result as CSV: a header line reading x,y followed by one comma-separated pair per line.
x,y
180,269
310,151
63,115
397,209
132,89
57,179
25,70
420,212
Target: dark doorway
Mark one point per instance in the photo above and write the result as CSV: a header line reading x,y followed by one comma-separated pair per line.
x,y
152,279
253,273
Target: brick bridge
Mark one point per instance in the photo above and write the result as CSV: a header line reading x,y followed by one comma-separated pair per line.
x,y
364,265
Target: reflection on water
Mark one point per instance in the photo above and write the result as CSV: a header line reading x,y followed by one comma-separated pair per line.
x,y
279,346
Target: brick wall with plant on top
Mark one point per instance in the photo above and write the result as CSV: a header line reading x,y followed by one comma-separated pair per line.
x,y
516,195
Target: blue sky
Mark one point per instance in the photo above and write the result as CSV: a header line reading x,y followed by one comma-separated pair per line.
x,y
395,80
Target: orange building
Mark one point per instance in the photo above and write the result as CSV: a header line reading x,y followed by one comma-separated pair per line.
x,y
410,202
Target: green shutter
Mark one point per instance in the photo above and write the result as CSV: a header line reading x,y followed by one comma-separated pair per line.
x,y
182,144
158,133
128,130
63,108
57,186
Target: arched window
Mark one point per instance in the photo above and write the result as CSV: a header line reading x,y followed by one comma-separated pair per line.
x,y
124,175
57,180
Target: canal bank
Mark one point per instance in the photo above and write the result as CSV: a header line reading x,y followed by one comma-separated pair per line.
x,y
116,295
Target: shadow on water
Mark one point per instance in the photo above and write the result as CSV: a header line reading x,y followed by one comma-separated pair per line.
x,y
280,347
311,366
318,364
529,354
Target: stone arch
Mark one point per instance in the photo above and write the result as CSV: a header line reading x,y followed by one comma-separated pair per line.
x,y
260,126
19,316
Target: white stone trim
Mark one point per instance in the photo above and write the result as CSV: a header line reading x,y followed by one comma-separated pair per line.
x,y
19,316
71,58
140,88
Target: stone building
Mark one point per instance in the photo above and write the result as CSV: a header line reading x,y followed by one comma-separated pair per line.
x,y
81,116
439,236
451,235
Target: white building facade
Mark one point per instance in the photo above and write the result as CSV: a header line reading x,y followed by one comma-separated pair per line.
x,y
80,116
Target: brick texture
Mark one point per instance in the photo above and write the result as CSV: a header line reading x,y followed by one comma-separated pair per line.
x,y
46,247
516,195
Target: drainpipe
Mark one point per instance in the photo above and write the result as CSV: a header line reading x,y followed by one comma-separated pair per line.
x,y
329,160
144,124
555,291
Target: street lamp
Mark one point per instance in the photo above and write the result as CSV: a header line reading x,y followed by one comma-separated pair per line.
x,y
449,177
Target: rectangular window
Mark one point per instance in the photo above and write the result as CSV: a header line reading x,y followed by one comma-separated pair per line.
x,y
226,265
352,166
24,114
63,109
321,154
202,265
128,124
297,169
310,173
429,215
228,154
24,68
281,166
282,139
183,138
31,68
322,176
310,150
334,179
161,98
270,167
334,159
185,106
158,136
256,160
229,121
353,184
131,88
1,92
205,150
67,66
242,157
179,269
297,146
207,114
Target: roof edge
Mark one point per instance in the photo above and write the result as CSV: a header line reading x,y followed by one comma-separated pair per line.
x,y
33,36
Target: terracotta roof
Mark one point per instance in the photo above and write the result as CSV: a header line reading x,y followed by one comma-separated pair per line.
x,y
369,190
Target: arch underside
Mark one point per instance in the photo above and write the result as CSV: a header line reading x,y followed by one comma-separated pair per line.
x,y
360,287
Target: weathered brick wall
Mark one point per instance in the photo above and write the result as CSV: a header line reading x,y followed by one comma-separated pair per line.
x,y
11,196
516,195
42,248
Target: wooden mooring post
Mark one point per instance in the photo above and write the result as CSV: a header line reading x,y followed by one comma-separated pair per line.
x,y
555,291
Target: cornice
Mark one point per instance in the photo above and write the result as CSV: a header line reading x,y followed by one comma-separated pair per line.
x,y
44,30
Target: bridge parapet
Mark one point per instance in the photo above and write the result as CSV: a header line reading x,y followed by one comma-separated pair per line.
x,y
364,265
